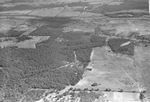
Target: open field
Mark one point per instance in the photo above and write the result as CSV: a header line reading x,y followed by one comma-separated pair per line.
x,y
109,71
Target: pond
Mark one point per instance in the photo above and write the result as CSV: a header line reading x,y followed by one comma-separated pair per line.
x,y
127,5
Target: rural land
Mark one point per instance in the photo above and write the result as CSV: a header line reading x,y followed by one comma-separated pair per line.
x,y
74,51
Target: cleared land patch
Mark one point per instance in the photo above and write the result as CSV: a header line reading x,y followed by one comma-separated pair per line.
x,y
27,42
108,71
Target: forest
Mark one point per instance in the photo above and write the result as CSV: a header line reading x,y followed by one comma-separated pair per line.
x,y
115,45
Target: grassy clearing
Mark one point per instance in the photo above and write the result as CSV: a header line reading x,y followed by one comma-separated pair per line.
x,y
109,72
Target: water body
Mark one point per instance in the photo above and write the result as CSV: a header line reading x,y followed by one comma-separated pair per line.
x,y
127,5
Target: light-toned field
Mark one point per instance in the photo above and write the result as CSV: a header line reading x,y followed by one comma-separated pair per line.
x,y
31,43
110,71
124,27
